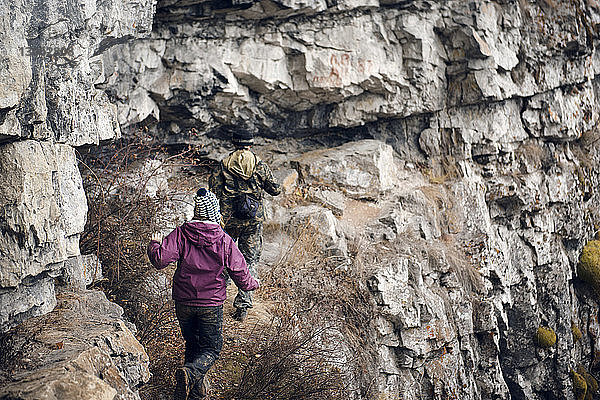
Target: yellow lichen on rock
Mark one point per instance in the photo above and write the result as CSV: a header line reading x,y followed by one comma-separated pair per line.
x,y
577,335
591,382
588,269
545,337
579,385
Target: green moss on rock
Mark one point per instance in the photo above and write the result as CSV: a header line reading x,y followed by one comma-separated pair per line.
x,y
579,385
545,337
588,269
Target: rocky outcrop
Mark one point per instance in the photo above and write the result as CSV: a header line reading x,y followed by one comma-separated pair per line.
x,y
52,53
42,203
465,264
488,110
81,350
51,57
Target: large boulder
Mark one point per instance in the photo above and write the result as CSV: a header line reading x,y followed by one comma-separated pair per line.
x,y
43,210
82,350
361,169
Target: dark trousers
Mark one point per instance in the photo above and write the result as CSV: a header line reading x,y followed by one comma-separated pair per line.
x,y
202,330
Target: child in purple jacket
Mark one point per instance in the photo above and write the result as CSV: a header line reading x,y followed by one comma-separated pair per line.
x,y
203,252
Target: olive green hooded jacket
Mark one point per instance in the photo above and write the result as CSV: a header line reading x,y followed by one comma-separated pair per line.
x,y
242,172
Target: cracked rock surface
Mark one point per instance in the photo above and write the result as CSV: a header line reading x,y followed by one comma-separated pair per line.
x,y
81,350
50,61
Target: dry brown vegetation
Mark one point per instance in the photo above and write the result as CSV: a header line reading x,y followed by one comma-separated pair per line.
x,y
283,359
321,292
121,219
312,344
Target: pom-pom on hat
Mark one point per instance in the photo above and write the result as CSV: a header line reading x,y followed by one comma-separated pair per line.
x,y
242,137
206,206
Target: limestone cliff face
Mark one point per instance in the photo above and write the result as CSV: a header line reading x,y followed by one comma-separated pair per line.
x,y
471,188
50,61
51,57
466,260
293,67
488,110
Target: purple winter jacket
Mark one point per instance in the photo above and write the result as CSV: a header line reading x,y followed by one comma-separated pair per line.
x,y
203,251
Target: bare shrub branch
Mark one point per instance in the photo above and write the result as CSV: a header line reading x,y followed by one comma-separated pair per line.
x,y
287,359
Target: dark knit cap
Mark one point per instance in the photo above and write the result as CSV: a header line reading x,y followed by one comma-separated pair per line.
x,y
206,206
242,137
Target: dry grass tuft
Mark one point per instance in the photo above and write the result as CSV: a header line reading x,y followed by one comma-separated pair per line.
x,y
531,153
321,293
442,170
286,359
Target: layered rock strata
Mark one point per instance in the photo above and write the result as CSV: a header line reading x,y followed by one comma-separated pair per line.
x,y
51,54
50,61
489,110
292,68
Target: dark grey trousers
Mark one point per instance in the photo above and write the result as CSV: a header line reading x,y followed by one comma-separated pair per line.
x,y
202,330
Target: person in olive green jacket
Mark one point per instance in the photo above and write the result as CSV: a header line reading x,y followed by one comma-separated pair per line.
x,y
240,182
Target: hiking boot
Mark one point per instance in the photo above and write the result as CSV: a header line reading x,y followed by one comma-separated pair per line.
x,y
200,390
240,314
183,383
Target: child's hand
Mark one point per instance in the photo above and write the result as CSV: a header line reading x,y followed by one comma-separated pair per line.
x,y
157,237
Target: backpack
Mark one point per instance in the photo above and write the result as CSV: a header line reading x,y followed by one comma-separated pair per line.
x,y
245,206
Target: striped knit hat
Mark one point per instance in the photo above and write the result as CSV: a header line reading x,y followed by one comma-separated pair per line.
x,y
206,206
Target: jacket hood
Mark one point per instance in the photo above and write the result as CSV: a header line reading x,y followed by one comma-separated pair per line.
x,y
241,163
201,233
